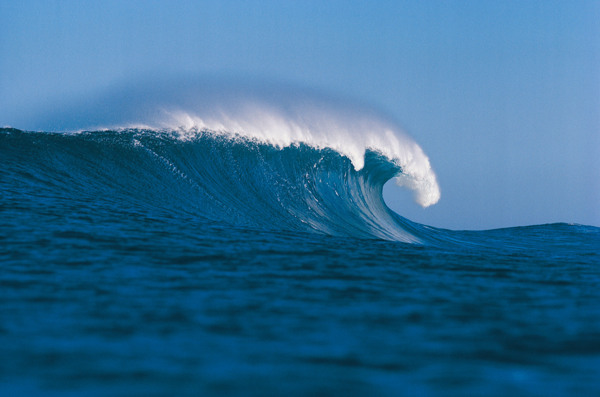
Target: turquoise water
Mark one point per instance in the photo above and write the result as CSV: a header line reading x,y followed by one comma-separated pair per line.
x,y
136,263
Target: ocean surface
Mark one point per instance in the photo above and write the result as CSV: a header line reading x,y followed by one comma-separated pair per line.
x,y
147,262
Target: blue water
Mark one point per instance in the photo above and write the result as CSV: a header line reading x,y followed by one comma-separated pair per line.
x,y
136,263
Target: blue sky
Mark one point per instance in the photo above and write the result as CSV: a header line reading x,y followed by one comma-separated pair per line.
x,y
504,97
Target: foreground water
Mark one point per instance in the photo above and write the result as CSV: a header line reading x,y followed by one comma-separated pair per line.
x,y
136,264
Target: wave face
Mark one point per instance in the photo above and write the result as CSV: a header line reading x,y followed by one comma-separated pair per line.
x,y
213,176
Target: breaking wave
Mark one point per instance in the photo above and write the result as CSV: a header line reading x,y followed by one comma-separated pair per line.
x,y
226,178
253,156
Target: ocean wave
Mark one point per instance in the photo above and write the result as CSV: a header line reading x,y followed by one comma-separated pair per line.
x,y
277,115
233,180
228,178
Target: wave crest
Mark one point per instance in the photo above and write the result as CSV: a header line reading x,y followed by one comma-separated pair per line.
x,y
279,116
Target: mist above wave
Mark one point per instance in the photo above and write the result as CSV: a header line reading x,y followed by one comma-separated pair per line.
x,y
275,114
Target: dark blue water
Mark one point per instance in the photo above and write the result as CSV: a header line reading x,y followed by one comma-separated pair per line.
x,y
136,263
